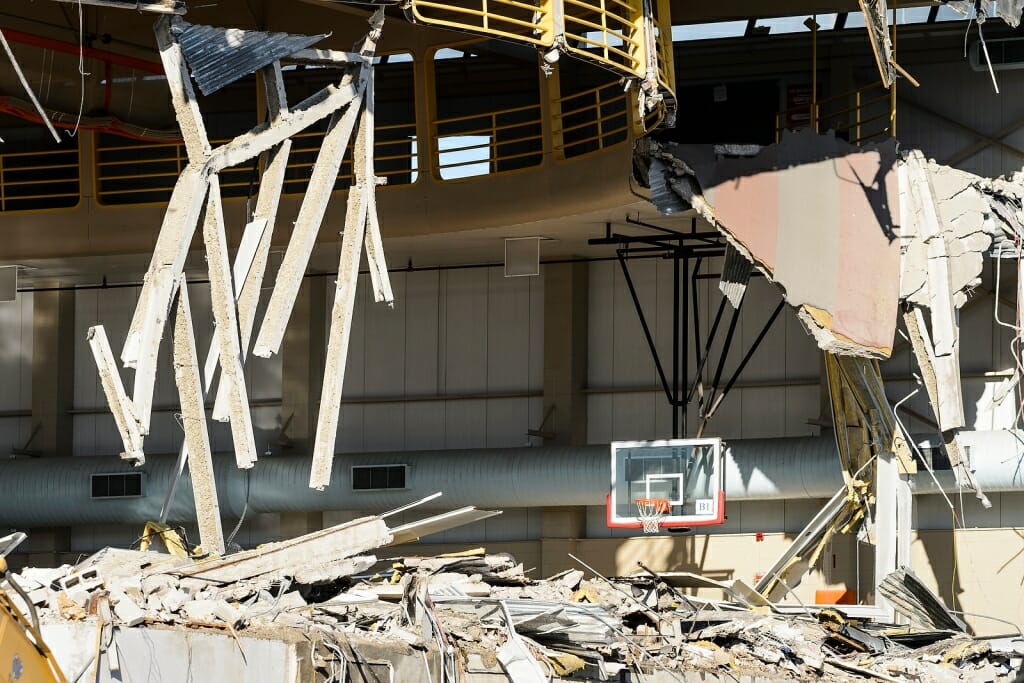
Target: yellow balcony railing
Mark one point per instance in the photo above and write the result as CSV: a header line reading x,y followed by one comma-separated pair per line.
x,y
590,121
860,116
30,181
133,172
394,158
129,172
487,143
610,32
529,21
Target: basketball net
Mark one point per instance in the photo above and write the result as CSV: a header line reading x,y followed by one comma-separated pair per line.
x,y
650,512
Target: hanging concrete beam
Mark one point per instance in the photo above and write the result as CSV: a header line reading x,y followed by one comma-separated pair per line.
x,y
267,203
314,204
183,96
379,277
197,147
341,322
117,399
314,55
938,353
265,136
307,226
223,303
249,285
193,418
251,236
154,304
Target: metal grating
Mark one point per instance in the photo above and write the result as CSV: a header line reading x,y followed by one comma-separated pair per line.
x,y
219,56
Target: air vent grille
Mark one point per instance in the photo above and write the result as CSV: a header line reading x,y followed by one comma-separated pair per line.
x,y
119,485
378,477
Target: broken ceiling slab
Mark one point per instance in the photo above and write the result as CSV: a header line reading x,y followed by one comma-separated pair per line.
x,y
946,224
1010,12
443,522
301,554
817,216
220,56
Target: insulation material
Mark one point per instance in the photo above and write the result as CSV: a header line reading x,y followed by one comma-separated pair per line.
x,y
809,200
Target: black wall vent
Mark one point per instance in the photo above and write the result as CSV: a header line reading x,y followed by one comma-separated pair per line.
x,y
120,485
378,477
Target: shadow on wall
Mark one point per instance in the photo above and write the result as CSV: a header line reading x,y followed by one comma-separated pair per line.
x,y
941,559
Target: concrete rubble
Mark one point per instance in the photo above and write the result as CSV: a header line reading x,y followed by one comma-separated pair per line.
x,y
476,616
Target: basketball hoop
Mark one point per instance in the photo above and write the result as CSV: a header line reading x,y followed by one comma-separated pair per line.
x,y
650,512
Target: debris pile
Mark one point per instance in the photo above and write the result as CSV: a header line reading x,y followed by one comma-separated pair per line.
x,y
478,614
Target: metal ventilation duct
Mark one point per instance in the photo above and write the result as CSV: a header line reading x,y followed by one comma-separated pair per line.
x,y
57,492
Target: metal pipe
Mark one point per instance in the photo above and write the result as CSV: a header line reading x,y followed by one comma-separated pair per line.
x,y
675,345
56,492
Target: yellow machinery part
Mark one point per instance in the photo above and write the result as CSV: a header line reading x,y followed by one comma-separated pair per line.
x,y
23,656
161,533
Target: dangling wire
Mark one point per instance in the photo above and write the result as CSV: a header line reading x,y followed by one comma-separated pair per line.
x,y
1015,341
979,19
81,69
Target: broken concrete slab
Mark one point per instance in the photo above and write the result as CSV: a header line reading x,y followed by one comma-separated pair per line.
x,y
809,198
300,554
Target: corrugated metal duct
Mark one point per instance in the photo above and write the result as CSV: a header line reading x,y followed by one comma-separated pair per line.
x,y
57,491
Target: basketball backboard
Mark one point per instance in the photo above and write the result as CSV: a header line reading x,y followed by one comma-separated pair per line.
x,y
688,473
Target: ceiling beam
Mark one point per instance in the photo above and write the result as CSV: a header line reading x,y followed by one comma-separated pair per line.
x,y
158,6
688,12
